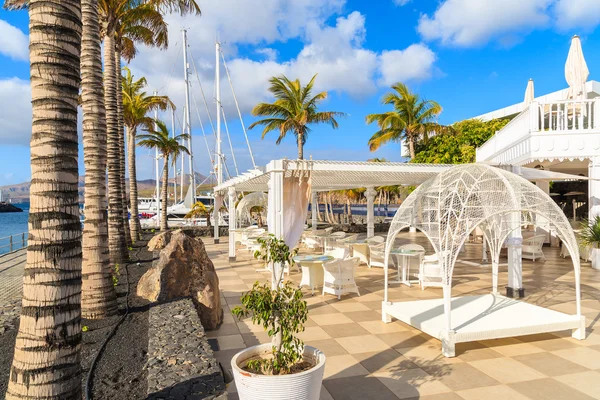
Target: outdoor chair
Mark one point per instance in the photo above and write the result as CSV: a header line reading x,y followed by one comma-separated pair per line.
x,y
361,250
334,238
430,272
338,252
377,255
339,277
312,242
585,252
532,247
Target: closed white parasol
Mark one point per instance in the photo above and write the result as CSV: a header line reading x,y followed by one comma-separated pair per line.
x,y
529,93
576,70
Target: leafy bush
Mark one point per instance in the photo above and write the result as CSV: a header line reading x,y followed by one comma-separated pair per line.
x,y
278,307
590,232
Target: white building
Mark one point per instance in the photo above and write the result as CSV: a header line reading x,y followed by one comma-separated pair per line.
x,y
559,132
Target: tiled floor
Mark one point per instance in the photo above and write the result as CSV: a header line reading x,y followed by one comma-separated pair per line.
x,y
367,359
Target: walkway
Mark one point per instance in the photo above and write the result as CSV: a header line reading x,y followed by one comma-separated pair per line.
x,y
367,359
11,285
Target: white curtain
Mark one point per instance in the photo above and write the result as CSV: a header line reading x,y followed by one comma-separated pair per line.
x,y
296,195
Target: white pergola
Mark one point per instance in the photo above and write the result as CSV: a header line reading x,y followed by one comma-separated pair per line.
x,y
446,209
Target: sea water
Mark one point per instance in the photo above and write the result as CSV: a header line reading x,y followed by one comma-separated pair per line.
x,y
13,224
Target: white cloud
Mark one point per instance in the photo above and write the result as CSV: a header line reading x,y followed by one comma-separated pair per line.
x,y
413,63
475,22
13,42
584,14
468,23
267,52
401,2
15,112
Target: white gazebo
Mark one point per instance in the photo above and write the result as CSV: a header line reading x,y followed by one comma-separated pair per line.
x,y
446,208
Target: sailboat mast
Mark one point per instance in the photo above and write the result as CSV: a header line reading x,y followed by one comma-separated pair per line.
x,y
175,160
188,122
218,98
156,165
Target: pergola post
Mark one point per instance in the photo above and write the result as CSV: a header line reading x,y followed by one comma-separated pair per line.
x,y
370,194
315,209
217,205
448,339
542,224
594,200
515,259
275,209
232,222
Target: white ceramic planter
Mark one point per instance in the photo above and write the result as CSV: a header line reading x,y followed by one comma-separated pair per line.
x,y
305,385
595,258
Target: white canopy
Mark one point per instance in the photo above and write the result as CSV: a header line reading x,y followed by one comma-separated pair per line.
x,y
576,70
242,210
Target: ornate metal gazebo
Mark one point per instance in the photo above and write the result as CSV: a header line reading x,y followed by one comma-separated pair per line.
x,y
446,209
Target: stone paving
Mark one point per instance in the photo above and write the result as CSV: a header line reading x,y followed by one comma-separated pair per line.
x,y
181,364
367,359
11,287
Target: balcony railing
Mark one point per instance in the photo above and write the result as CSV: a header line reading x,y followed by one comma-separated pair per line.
x,y
576,116
13,243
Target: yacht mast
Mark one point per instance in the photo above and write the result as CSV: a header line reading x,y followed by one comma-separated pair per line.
x,y
188,122
175,160
218,98
156,165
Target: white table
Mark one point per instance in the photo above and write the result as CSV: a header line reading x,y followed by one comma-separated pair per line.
x,y
401,257
312,270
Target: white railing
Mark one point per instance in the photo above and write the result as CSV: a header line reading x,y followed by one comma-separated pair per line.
x,y
568,115
565,116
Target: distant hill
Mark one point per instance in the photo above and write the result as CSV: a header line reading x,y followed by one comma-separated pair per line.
x,y
19,192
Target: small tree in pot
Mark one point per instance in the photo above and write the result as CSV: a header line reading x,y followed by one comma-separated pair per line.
x,y
590,236
281,310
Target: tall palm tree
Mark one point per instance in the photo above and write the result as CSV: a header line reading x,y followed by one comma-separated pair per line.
x,y
169,147
411,120
98,293
46,361
293,110
126,22
136,106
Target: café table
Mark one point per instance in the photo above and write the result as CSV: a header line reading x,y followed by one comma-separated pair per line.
x,y
312,270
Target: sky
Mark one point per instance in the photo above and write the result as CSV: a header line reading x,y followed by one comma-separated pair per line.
x,y
471,56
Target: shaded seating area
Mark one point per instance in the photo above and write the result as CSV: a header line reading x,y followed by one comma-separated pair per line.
x,y
446,209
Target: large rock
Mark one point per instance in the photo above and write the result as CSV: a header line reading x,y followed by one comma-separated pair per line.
x,y
159,241
184,270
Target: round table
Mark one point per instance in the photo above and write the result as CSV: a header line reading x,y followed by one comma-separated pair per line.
x,y
402,255
312,270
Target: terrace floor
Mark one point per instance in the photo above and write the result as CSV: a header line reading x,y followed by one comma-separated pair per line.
x,y
367,359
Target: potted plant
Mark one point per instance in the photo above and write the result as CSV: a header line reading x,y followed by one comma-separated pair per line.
x,y
284,369
590,236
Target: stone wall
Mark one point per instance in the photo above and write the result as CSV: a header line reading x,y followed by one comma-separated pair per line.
x,y
181,365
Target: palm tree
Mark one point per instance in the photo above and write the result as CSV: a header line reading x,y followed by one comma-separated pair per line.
x,y
293,110
46,361
158,138
136,105
199,210
412,119
126,22
98,293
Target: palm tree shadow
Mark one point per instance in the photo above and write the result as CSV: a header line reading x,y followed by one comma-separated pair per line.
x,y
198,387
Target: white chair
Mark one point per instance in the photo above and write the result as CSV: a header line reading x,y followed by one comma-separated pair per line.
x,y
585,252
375,240
334,238
339,277
328,230
532,247
312,242
338,252
430,272
361,250
377,255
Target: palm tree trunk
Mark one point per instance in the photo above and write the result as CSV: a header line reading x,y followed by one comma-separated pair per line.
x,y
164,195
411,146
300,148
46,361
116,234
350,221
121,128
99,299
134,224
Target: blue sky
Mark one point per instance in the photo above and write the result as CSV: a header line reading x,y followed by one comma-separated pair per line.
x,y
472,56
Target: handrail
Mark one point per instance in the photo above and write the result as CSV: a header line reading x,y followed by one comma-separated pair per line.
x,y
15,245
